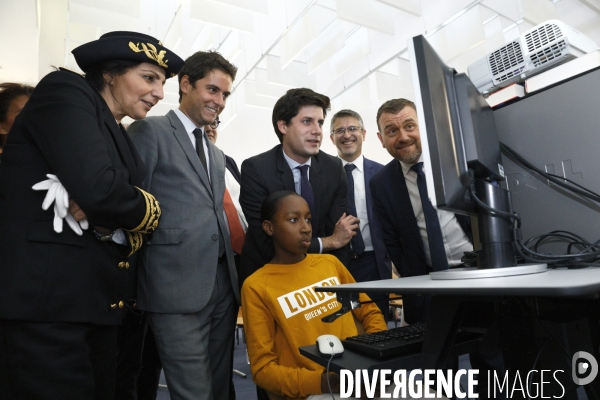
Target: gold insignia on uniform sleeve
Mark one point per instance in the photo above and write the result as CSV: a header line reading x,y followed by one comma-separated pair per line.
x,y
150,221
135,240
151,52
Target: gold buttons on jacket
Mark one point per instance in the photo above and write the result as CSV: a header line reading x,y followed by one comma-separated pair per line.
x,y
120,304
123,265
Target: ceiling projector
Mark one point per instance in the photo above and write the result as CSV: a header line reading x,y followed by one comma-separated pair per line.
x,y
540,48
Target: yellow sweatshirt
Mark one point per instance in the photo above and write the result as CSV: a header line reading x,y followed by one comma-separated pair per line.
x,y
282,312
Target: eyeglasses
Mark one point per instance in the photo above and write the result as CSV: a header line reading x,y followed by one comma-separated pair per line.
x,y
215,124
350,129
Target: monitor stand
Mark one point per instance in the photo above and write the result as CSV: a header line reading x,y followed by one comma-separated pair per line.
x,y
497,258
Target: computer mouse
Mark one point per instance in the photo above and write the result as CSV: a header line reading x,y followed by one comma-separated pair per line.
x,y
330,344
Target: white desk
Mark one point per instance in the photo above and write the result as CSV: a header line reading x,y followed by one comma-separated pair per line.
x,y
553,283
578,291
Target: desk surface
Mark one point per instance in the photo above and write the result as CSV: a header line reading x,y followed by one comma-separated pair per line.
x,y
583,282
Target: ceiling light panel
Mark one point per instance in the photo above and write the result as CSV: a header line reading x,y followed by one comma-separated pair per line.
x,y
460,35
508,8
303,33
265,88
435,12
331,40
259,6
368,13
355,50
592,4
206,39
103,17
537,11
223,15
254,100
383,47
410,6
129,7
295,75
231,47
172,38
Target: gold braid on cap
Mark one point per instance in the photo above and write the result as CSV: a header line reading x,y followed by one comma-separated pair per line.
x,y
135,240
150,221
151,52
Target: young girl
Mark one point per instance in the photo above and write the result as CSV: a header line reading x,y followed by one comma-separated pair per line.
x,y
282,310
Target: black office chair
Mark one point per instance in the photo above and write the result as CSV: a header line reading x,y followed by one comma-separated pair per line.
x,y
261,394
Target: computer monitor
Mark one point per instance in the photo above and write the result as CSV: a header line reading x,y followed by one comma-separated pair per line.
x,y
461,155
460,129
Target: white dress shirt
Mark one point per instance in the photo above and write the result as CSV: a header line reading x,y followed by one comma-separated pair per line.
x,y
455,240
296,172
297,184
360,199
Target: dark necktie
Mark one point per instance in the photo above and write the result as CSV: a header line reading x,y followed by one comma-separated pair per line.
x,y
306,190
200,147
200,151
439,262
358,245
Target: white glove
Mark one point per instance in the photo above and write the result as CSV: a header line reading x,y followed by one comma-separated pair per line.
x,y
58,195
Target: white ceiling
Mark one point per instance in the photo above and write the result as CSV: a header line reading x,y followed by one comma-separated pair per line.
x,y
354,51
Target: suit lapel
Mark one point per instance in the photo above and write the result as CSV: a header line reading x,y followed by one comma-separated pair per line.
x,y
315,182
139,174
121,144
188,148
216,164
285,173
400,192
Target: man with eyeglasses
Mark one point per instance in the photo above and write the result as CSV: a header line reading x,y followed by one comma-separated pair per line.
x,y
369,261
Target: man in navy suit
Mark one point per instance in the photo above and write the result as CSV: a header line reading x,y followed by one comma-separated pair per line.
x,y
398,204
369,261
400,209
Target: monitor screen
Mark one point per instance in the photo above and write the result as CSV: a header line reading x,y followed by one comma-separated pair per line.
x,y
458,130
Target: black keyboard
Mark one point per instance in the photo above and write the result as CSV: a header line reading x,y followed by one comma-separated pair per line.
x,y
387,344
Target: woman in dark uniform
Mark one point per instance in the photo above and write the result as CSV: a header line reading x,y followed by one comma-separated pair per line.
x,y
63,291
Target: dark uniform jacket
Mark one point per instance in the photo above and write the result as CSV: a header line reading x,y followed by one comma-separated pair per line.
x,y
68,130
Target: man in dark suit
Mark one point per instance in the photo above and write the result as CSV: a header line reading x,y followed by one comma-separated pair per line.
x,y
369,260
187,279
419,239
398,205
297,164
